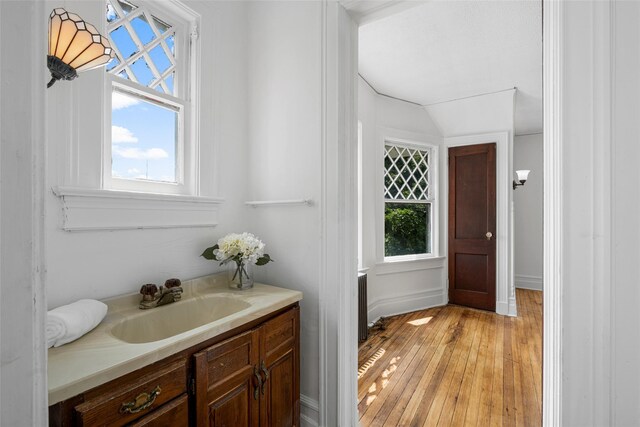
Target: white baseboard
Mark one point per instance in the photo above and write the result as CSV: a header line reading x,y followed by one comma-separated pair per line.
x,y
391,306
309,411
507,308
502,307
524,281
513,308
307,422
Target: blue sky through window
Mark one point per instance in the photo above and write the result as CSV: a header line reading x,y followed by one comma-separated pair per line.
x,y
142,72
160,59
143,139
170,44
143,29
123,41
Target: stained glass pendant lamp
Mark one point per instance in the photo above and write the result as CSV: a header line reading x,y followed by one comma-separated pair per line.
x,y
74,46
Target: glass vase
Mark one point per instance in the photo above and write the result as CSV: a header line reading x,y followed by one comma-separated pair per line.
x,y
240,275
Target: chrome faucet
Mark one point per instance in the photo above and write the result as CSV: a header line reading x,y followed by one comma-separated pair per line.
x,y
153,297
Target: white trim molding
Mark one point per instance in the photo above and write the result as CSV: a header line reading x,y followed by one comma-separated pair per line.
x,y
553,226
23,306
293,202
91,209
505,290
524,281
309,411
400,304
394,267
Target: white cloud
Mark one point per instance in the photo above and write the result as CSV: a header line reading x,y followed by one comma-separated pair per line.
x,y
136,153
122,135
134,171
119,101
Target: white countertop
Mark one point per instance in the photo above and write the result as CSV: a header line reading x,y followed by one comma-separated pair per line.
x,y
99,357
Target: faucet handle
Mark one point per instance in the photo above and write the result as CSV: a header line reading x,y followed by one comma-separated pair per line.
x,y
172,283
148,291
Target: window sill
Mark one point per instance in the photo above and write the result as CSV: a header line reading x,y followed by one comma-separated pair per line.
x,y
96,209
406,265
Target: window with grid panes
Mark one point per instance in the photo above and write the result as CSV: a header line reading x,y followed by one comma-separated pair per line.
x,y
148,88
407,200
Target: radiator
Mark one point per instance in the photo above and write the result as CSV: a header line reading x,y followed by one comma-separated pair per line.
x,y
363,330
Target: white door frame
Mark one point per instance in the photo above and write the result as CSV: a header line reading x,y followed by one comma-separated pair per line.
x,y
23,395
552,216
339,295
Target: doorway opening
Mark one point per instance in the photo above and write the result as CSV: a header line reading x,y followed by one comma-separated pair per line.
x,y
429,80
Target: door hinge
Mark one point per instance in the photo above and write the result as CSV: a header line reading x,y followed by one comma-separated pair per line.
x,y
192,386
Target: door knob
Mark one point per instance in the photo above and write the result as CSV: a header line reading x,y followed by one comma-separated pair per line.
x,y
489,235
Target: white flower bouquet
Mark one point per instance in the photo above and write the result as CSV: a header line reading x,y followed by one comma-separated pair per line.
x,y
245,250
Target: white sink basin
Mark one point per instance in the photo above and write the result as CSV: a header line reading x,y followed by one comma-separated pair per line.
x,y
172,319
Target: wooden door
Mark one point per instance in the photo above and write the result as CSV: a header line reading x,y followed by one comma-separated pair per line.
x,y
472,226
228,383
280,365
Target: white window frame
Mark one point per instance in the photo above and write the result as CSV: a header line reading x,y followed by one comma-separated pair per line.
x,y
186,81
421,142
80,118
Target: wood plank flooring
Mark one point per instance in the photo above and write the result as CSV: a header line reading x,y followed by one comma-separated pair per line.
x,y
454,366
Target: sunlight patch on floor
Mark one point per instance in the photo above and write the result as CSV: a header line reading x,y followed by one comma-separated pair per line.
x,y
369,363
420,322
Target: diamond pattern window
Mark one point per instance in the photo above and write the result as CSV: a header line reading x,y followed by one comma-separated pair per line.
x,y
150,145
408,200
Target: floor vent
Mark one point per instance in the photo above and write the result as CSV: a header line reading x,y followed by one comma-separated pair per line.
x,y
363,330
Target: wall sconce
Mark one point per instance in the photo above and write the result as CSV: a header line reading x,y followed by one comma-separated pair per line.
x,y
522,178
74,46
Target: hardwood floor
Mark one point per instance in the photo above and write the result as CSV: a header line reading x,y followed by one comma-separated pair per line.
x,y
454,366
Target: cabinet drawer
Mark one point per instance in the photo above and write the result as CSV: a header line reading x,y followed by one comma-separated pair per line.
x,y
142,395
279,334
174,413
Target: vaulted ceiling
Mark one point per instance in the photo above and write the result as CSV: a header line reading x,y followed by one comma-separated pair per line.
x,y
445,50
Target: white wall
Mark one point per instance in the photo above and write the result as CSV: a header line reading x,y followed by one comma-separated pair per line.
x,y
527,202
100,264
625,218
283,160
396,287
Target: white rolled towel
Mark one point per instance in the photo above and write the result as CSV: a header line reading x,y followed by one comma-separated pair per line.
x,y
69,322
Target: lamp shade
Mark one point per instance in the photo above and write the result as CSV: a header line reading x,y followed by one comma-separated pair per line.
x,y
74,45
522,175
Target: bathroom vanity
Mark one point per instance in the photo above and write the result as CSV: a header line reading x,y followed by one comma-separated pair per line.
x,y
240,369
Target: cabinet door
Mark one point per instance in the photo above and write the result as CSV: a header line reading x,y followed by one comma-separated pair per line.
x,y
227,383
280,366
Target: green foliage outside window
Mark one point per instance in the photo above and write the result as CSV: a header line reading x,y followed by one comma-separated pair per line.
x,y
407,228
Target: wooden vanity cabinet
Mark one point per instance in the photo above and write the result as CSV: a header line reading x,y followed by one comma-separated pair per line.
x,y
249,377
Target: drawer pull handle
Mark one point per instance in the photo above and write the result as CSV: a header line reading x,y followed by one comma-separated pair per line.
x,y
265,371
141,402
256,390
